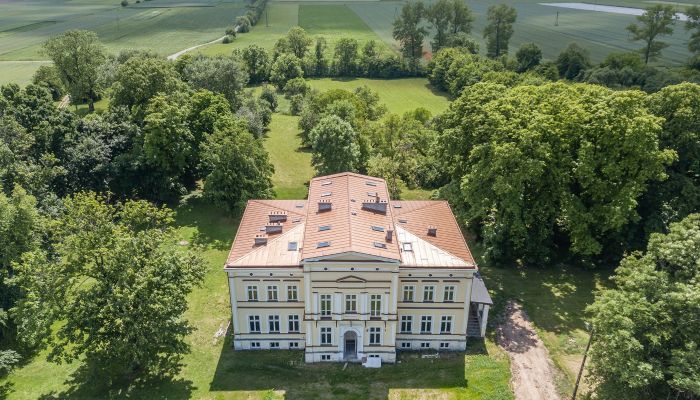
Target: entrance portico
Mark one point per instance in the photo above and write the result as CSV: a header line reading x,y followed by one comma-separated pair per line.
x,y
351,342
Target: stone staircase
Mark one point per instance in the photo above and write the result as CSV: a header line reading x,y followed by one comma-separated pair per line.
x,y
473,327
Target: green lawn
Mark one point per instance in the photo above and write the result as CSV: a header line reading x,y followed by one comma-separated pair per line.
x,y
292,163
399,95
332,21
19,72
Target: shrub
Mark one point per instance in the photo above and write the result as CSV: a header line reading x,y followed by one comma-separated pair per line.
x,y
243,24
231,31
227,39
125,3
268,94
296,86
296,104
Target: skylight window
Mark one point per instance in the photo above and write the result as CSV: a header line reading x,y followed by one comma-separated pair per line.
x,y
324,228
292,246
295,220
326,183
407,246
372,194
326,194
377,228
323,244
397,205
379,245
402,221
300,205
370,183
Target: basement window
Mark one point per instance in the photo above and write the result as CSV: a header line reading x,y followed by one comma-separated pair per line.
x,y
377,228
379,245
324,228
323,244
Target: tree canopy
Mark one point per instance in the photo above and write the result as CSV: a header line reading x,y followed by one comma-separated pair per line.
x,y
499,29
657,20
645,340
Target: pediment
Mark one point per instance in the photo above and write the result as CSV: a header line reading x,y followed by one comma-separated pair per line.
x,y
351,279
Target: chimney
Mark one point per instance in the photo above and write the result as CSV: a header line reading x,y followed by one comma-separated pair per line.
x,y
273,228
389,235
374,204
324,205
278,216
260,240
432,231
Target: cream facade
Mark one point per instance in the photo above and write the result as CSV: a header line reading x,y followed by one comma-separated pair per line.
x,y
354,281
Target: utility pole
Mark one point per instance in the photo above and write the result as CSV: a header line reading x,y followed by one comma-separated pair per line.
x,y
583,362
267,20
556,21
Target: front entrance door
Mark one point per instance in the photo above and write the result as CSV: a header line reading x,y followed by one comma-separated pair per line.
x,y
350,346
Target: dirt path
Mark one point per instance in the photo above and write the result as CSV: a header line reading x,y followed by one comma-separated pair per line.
x,y
530,365
175,56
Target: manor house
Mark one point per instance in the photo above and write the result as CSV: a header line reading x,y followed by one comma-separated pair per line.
x,y
350,274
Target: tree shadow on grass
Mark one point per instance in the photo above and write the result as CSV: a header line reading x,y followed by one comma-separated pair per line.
x,y
285,371
437,92
213,227
5,389
93,382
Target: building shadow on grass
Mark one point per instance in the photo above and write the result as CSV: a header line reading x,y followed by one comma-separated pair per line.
x,y
285,371
92,382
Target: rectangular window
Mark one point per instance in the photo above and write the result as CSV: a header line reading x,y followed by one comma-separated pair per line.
x,y
428,292
405,345
326,336
293,345
375,305
292,293
293,323
444,345
350,303
449,294
425,345
326,305
274,345
252,293
274,323
426,324
272,293
446,324
324,228
292,246
254,323
375,335
406,323
254,345
408,292
325,357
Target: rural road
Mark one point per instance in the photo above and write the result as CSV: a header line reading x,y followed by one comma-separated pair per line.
x,y
175,56
531,368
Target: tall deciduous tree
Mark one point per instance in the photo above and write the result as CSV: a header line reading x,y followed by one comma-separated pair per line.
x,y
78,55
285,68
538,163
693,25
117,285
298,41
461,18
257,62
407,30
645,343
345,57
223,75
335,146
440,14
656,21
499,29
528,56
572,61
320,61
236,166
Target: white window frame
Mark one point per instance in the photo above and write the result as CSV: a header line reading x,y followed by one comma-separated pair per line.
x,y
274,345
293,345
293,324
449,289
375,305
405,345
428,289
446,324
252,293
254,320
273,321
426,320
444,345
292,290
352,300
255,345
326,335
424,345
411,291
375,335
408,321
272,293
326,299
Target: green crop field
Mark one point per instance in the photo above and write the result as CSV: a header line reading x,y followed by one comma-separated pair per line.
x,y
330,20
600,32
19,72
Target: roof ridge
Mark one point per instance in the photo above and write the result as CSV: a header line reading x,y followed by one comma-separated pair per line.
x,y
265,202
347,181
261,248
434,245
